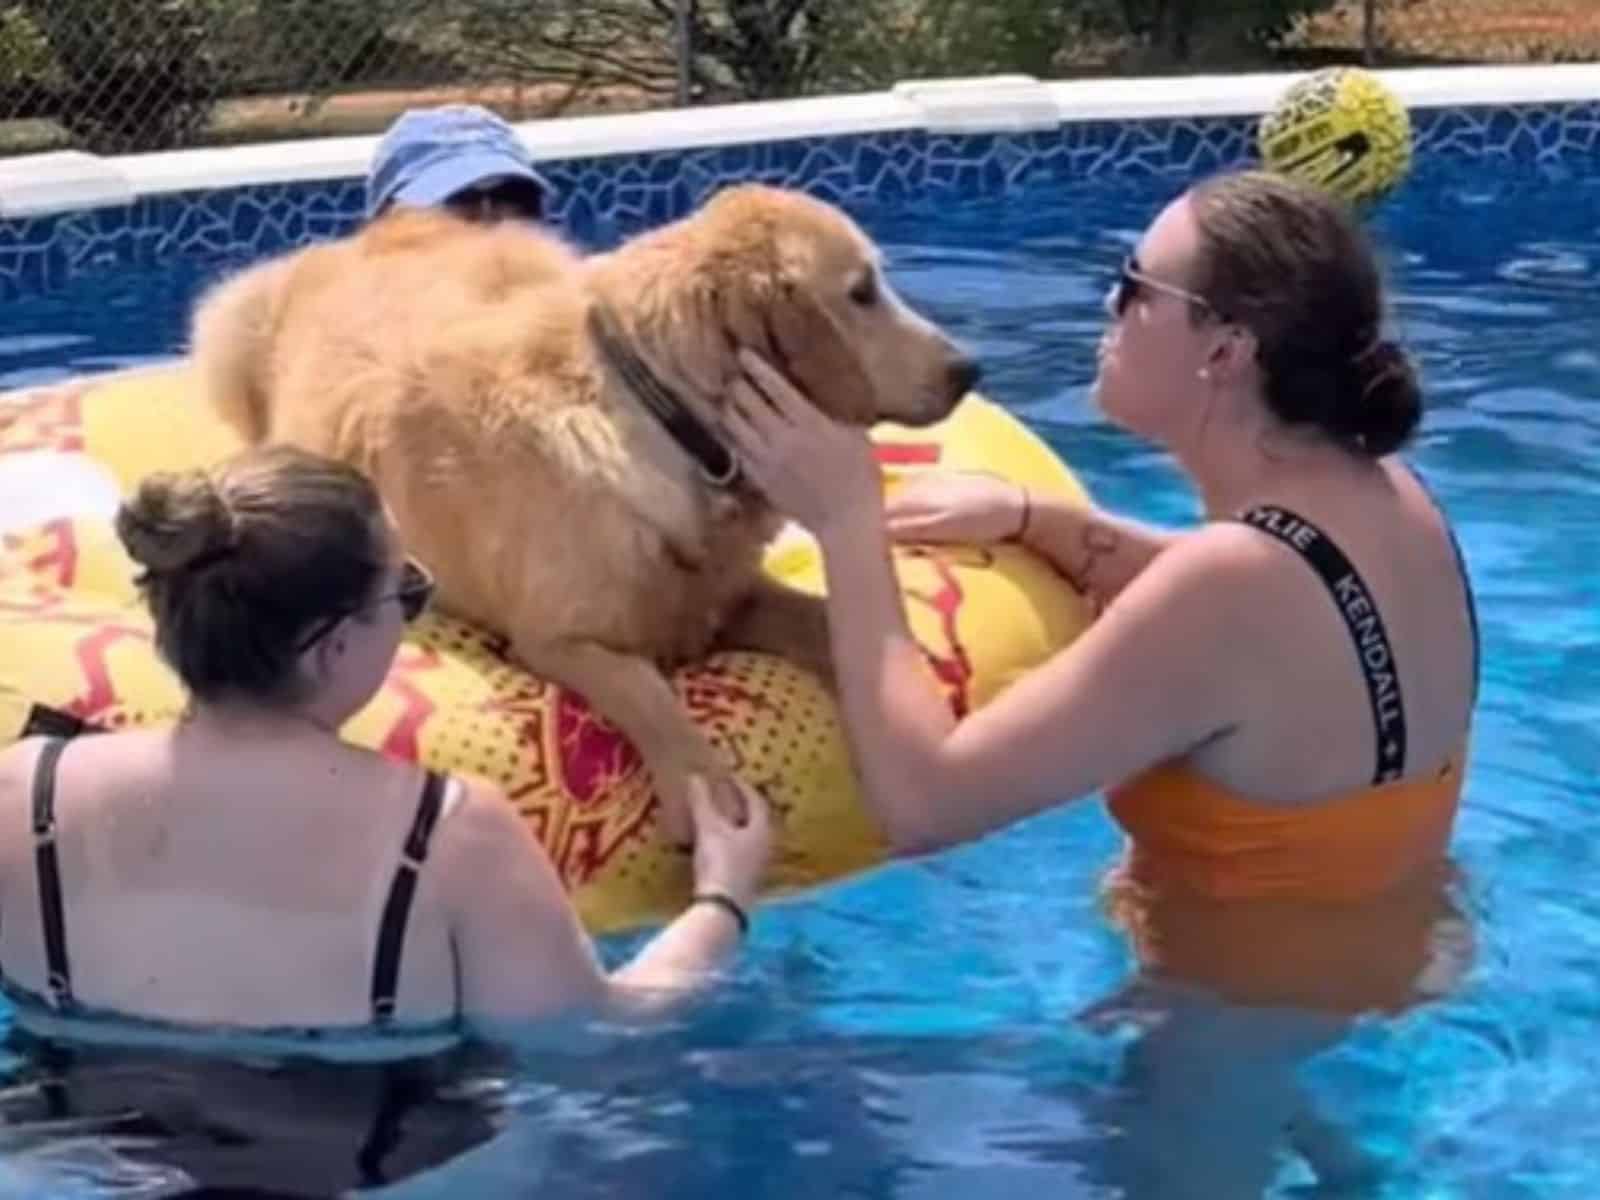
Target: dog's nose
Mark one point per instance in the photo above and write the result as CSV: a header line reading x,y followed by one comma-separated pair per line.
x,y
964,375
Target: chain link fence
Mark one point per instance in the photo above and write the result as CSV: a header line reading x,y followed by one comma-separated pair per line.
x,y
1456,32
118,76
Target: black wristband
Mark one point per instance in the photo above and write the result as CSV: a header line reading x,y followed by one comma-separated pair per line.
x,y
726,903
1027,515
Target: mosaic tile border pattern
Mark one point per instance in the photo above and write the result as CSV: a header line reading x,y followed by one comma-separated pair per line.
x,y
602,199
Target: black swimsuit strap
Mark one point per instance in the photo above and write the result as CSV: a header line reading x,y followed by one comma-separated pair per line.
x,y
392,927
48,869
1360,614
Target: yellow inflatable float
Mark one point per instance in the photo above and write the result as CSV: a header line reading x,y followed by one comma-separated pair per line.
x,y
75,640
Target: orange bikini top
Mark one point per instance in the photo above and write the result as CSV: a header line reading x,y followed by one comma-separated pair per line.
x,y
1343,906
1336,905
1189,831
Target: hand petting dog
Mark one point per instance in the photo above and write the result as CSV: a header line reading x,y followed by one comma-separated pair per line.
x,y
816,470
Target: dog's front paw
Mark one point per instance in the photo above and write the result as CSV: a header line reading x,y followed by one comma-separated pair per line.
x,y
673,783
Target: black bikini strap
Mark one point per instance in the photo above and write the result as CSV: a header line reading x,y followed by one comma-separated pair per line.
x,y
404,1088
392,928
44,721
1354,602
48,869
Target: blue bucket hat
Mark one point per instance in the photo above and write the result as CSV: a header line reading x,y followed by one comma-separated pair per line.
x,y
430,154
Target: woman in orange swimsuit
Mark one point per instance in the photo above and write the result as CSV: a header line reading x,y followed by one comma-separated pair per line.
x,y
1276,704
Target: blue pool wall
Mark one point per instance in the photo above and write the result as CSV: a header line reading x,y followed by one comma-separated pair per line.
x,y
599,198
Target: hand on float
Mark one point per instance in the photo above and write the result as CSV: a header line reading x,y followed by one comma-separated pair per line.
x,y
973,507
818,471
730,856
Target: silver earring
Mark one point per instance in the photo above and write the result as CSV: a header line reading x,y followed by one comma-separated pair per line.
x,y
1202,373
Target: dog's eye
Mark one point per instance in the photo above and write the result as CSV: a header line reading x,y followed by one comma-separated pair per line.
x,y
865,290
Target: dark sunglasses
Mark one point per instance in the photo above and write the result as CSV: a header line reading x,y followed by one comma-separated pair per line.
x,y
413,592
1131,278
511,199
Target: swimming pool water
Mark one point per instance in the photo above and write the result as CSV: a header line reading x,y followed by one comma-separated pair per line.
x,y
913,1033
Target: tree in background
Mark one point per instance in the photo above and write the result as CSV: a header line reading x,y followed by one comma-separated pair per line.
x,y
760,49
1179,32
745,49
119,75
125,75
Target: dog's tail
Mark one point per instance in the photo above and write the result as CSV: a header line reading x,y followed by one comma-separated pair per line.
x,y
230,347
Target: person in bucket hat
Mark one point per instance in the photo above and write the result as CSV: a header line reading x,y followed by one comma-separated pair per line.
x,y
459,156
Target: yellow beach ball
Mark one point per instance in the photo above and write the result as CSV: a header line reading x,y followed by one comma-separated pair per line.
x,y
1342,129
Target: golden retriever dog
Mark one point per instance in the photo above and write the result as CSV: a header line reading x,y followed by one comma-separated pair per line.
x,y
543,425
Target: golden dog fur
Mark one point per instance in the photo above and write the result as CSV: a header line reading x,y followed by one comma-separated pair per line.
x,y
453,363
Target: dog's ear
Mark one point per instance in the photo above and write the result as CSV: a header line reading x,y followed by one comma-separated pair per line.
x,y
784,323
814,352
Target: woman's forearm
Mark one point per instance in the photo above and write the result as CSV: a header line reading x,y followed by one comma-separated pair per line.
x,y
679,961
1100,553
894,713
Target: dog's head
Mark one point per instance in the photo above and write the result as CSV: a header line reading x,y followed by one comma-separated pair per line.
x,y
796,280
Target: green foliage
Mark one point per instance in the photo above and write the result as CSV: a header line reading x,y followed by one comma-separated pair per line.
x,y
125,75
599,43
1181,31
120,75
131,75
742,48
24,52
310,45
890,40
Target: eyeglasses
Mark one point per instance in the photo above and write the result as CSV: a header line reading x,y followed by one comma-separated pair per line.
x,y
413,592
1132,277
506,199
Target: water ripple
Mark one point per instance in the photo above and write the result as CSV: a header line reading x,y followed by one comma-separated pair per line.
x,y
916,1032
